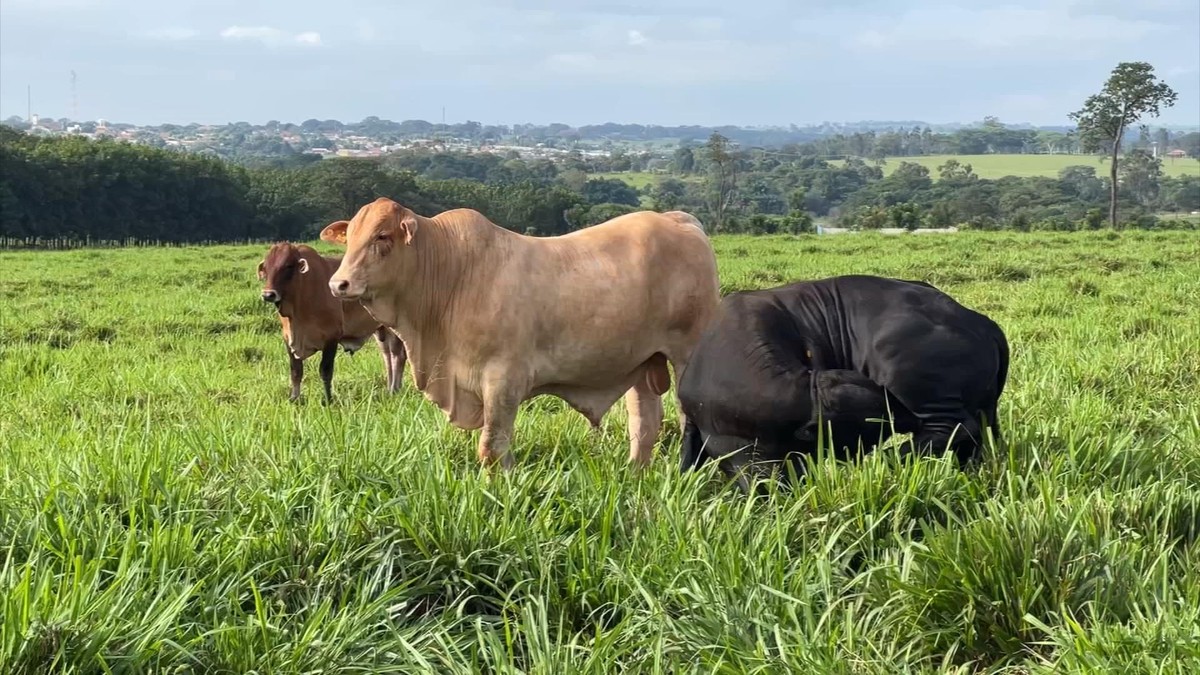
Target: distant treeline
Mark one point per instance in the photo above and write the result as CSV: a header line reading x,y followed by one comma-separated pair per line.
x,y
861,139
68,189
63,191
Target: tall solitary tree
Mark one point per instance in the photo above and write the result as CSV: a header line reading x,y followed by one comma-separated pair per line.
x,y
1131,91
722,167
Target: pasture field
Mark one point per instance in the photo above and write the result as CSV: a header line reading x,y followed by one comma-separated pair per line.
x,y
635,179
1048,166
985,166
164,508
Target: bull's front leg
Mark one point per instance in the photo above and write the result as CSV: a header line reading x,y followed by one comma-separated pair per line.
x,y
297,373
501,399
327,356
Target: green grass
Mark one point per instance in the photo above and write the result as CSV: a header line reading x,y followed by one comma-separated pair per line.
x,y
163,508
635,179
999,166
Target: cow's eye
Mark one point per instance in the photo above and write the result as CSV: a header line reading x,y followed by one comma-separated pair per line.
x,y
382,236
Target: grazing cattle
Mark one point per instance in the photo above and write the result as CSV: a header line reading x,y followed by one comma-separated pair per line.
x,y
787,414
296,281
492,318
945,364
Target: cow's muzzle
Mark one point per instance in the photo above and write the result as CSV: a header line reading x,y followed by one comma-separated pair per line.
x,y
271,297
340,288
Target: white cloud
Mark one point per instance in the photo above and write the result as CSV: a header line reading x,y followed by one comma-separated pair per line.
x,y
263,33
700,61
310,38
271,36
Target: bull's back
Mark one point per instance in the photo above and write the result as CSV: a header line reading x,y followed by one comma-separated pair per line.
x,y
600,301
669,253
633,273
911,335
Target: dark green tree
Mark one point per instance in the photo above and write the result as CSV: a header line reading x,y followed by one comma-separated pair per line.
x,y
685,160
668,194
722,178
1131,92
1141,174
610,191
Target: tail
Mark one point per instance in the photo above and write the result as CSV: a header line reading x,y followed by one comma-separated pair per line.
x,y
691,450
685,217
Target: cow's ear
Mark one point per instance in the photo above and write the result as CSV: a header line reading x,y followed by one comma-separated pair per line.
x,y
408,228
262,270
335,233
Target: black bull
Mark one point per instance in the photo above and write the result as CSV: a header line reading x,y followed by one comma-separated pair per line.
x,y
750,380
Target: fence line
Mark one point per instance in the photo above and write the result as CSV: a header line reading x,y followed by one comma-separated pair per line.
x,y
66,243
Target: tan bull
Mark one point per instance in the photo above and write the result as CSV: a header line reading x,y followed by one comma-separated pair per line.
x,y
296,280
491,318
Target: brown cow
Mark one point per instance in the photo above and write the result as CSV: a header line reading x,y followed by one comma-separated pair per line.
x,y
297,282
492,318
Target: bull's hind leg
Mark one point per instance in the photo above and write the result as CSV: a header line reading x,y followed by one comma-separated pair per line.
x,y
645,410
644,404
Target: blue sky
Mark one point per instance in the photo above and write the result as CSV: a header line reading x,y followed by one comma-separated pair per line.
x,y
650,61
